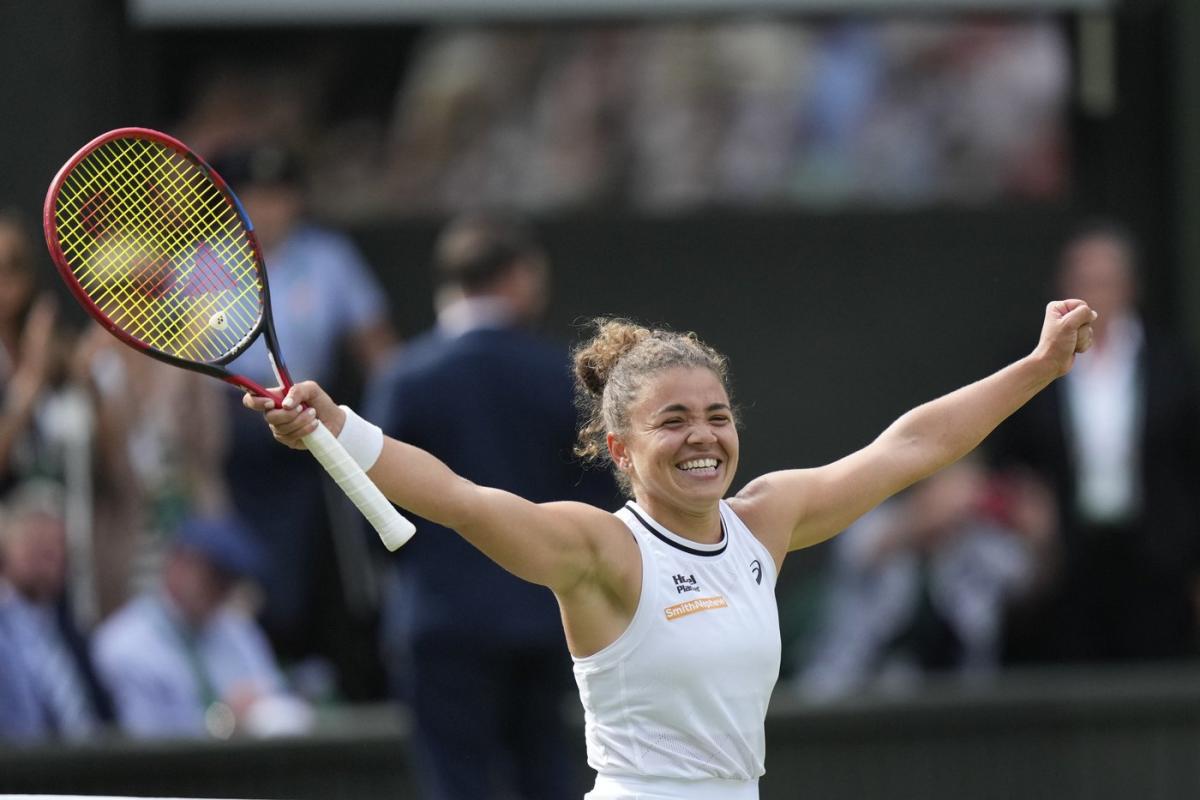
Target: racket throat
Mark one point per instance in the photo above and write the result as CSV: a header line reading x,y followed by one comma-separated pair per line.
x,y
280,374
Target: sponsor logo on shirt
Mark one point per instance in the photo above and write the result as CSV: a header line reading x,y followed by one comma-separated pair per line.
x,y
694,607
685,583
756,570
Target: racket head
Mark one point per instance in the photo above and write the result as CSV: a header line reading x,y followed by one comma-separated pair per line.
x,y
158,249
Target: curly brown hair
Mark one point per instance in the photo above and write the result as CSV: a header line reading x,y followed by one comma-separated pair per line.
x,y
610,370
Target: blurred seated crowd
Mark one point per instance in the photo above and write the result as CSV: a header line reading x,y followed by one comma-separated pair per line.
x,y
666,116
182,575
746,113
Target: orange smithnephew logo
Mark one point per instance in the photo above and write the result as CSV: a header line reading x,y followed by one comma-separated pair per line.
x,y
693,606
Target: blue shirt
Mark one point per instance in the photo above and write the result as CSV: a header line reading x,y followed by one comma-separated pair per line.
x,y
48,695
163,676
321,290
22,717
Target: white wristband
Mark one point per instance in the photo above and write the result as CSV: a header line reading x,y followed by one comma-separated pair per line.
x,y
362,440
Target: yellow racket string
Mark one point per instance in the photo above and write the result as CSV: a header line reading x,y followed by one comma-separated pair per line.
x,y
159,249
151,278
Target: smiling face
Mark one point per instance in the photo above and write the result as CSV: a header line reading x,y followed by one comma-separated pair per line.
x,y
681,447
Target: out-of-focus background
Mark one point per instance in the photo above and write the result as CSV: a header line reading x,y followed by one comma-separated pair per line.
x,y
863,203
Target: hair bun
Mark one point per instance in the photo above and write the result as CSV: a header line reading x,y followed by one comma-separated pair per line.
x,y
596,359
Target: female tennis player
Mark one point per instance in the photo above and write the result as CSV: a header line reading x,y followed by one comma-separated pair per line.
x,y
668,604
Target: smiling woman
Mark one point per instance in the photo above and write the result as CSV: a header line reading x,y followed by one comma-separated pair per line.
x,y
688,417
668,604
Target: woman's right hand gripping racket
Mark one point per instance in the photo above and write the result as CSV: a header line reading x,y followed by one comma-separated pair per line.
x,y
158,249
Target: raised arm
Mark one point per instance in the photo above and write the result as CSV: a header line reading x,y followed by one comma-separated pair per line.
x,y
557,545
797,508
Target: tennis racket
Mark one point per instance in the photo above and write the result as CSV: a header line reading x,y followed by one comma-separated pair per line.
x,y
158,249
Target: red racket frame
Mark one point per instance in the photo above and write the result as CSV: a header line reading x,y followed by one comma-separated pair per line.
x,y
216,368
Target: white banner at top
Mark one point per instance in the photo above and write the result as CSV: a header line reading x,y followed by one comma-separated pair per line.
x,y
151,13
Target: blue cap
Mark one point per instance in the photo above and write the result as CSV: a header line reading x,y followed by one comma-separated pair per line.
x,y
259,165
225,541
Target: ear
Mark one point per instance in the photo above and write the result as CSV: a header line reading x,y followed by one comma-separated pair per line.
x,y
618,451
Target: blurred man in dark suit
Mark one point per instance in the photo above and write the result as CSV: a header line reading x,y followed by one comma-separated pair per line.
x,y
478,654
1119,441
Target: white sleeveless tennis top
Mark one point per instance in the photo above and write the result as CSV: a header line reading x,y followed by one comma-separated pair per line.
x,y
675,706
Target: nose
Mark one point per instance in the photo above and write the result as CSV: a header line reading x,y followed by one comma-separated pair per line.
x,y
701,434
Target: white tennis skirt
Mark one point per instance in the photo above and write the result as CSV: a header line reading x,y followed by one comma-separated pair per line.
x,y
624,787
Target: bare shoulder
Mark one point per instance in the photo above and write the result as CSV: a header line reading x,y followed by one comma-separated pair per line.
x,y
770,505
614,552
597,608
586,517
798,508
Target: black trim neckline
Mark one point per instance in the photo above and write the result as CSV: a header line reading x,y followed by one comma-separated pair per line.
x,y
653,527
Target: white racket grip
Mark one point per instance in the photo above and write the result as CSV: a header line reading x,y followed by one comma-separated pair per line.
x,y
391,526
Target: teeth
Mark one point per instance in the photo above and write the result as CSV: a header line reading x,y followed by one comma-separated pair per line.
x,y
699,463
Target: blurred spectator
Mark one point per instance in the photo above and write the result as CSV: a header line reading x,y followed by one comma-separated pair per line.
x,y
22,718
153,469
477,653
919,586
326,302
1119,441
183,660
29,358
237,100
47,429
461,129
843,99
324,296
51,687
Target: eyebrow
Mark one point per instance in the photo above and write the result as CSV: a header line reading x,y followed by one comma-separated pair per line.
x,y
680,407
